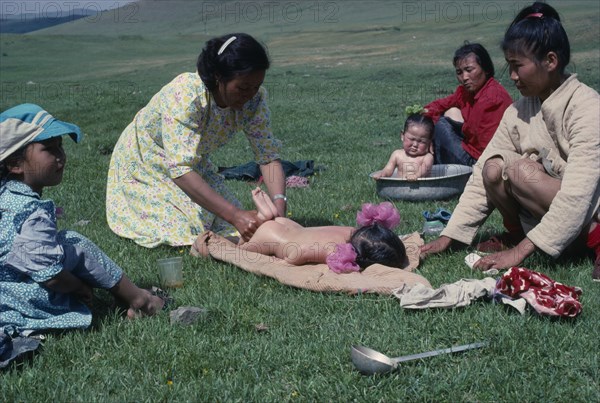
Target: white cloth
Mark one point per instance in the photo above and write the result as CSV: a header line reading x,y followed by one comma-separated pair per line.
x,y
458,294
455,295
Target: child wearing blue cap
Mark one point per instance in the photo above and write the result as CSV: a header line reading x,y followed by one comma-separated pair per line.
x,y
46,275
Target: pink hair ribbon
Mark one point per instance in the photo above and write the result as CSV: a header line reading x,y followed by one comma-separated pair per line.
x,y
384,213
343,260
535,15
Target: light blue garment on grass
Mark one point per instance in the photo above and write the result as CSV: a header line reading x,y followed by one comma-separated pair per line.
x,y
32,252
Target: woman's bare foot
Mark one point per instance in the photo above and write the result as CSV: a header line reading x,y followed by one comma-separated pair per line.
x,y
200,245
266,209
145,304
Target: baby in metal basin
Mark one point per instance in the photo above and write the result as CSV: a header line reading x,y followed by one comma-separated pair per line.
x,y
414,160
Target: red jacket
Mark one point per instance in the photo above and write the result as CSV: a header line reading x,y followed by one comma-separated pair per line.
x,y
482,113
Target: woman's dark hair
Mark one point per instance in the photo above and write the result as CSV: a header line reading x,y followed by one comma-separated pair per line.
x,y
243,55
377,244
481,55
420,119
537,30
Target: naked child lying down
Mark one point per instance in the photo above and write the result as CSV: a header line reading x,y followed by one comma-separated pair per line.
x,y
344,249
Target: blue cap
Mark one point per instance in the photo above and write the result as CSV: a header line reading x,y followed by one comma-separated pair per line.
x,y
28,123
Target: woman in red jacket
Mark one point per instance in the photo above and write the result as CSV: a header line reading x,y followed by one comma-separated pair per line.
x,y
467,119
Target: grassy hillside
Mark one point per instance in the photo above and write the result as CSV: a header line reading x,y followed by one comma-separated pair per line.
x,y
342,73
384,49
134,50
156,39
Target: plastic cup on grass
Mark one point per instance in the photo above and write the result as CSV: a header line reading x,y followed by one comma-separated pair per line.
x,y
170,271
433,228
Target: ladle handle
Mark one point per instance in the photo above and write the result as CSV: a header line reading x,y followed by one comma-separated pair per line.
x,y
439,352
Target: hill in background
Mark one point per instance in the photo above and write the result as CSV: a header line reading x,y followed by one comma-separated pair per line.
x,y
325,32
19,17
24,23
152,39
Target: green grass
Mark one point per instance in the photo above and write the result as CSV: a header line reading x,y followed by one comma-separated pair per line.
x,y
337,94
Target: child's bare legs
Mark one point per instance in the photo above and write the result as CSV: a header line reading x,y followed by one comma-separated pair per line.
x,y
140,301
264,240
266,212
266,209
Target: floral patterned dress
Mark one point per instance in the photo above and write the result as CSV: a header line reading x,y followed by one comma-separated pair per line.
x,y
171,136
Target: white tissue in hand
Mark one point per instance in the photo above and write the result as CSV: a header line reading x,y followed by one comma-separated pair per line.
x,y
472,258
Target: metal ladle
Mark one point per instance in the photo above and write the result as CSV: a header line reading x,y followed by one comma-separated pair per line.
x,y
370,362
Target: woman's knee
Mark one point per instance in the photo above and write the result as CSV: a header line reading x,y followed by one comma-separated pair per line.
x,y
523,173
493,172
454,114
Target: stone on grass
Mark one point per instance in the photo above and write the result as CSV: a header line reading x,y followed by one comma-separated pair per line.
x,y
187,315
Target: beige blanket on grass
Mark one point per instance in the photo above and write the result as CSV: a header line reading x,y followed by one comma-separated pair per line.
x,y
376,278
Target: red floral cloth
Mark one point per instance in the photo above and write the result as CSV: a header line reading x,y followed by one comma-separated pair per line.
x,y
545,295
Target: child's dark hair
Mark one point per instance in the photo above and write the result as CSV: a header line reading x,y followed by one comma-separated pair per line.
x,y
241,56
12,160
376,244
481,55
419,119
537,30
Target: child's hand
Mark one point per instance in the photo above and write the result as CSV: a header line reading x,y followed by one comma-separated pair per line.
x,y
411,177
381,174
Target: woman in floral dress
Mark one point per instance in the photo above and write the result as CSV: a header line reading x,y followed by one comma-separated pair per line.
x,y
162,187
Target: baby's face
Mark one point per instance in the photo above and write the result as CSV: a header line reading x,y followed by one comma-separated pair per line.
x,y
416,141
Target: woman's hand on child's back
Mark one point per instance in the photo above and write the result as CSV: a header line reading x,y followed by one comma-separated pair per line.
x,y
246,222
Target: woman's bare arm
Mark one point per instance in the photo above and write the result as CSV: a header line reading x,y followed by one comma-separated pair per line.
x,y
274,179
246,222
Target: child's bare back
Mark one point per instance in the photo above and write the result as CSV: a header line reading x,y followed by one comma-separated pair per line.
x,y
343,249
294,243
285,238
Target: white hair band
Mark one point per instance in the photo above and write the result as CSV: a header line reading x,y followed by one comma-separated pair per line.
x,y
224,46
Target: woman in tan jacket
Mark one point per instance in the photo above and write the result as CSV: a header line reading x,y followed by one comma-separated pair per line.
x,y
541,169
